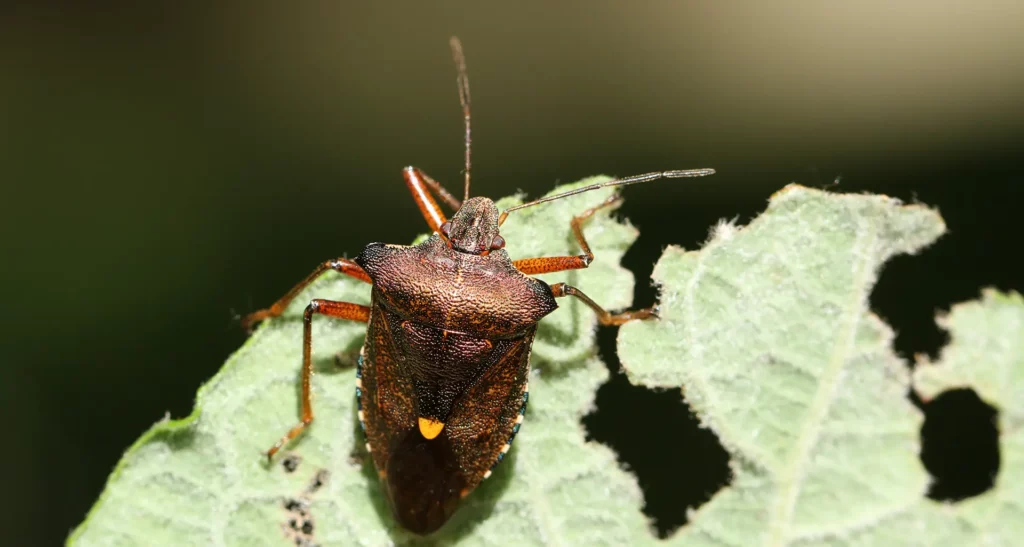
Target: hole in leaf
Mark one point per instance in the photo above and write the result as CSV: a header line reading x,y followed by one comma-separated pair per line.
x,y
981,224
907,301
960,445
678,464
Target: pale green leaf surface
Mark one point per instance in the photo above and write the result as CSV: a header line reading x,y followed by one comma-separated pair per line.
x,y
768,331
986,354
202,480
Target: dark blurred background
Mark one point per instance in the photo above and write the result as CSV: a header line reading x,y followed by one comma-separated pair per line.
x,y
164,168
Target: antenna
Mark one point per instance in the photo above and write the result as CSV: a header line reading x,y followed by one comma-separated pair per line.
x,y
463,81
635,179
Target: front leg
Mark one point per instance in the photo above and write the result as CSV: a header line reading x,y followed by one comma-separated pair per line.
x,y
532,266
420,185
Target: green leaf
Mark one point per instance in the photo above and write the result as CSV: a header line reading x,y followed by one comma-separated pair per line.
x,y
768,331
202,480
986,354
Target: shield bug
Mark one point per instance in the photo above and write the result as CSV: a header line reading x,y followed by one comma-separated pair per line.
x,y
442,375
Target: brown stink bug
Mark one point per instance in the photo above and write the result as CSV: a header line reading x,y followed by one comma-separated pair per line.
x,y
442,374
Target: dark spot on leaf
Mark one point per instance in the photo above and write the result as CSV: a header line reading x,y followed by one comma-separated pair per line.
x,y
291,462
298,526
294,505
959,445
319,480
677,463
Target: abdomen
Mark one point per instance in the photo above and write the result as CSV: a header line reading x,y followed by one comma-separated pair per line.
x,y
474,385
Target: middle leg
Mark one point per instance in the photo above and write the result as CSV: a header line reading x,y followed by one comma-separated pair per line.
x,y
330,308
603,316
340,265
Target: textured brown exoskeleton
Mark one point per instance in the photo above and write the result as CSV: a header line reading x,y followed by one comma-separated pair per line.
x,y
442,376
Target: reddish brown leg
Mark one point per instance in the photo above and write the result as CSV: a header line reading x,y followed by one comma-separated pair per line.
x,y
603,317
436,187
420,184
531,266
340,310
342,265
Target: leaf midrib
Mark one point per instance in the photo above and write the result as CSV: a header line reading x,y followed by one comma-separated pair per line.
x,y
791,480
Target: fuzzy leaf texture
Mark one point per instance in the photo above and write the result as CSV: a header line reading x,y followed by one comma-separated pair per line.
x,y
768,331
202,480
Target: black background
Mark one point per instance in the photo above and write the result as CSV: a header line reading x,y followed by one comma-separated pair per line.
x,y
164,169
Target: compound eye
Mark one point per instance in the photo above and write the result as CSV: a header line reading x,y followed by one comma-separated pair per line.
x,y
497,243
446,229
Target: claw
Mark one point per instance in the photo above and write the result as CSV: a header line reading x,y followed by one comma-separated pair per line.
x,y
250,320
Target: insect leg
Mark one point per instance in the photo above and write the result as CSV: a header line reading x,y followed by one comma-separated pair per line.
x,y
532,266
603,316
434,186
330,308
341,265
420,184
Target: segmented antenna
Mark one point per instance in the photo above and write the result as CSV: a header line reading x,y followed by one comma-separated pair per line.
x,y
635,179
463,81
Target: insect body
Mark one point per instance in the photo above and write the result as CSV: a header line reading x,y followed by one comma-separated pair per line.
x,y
443,373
